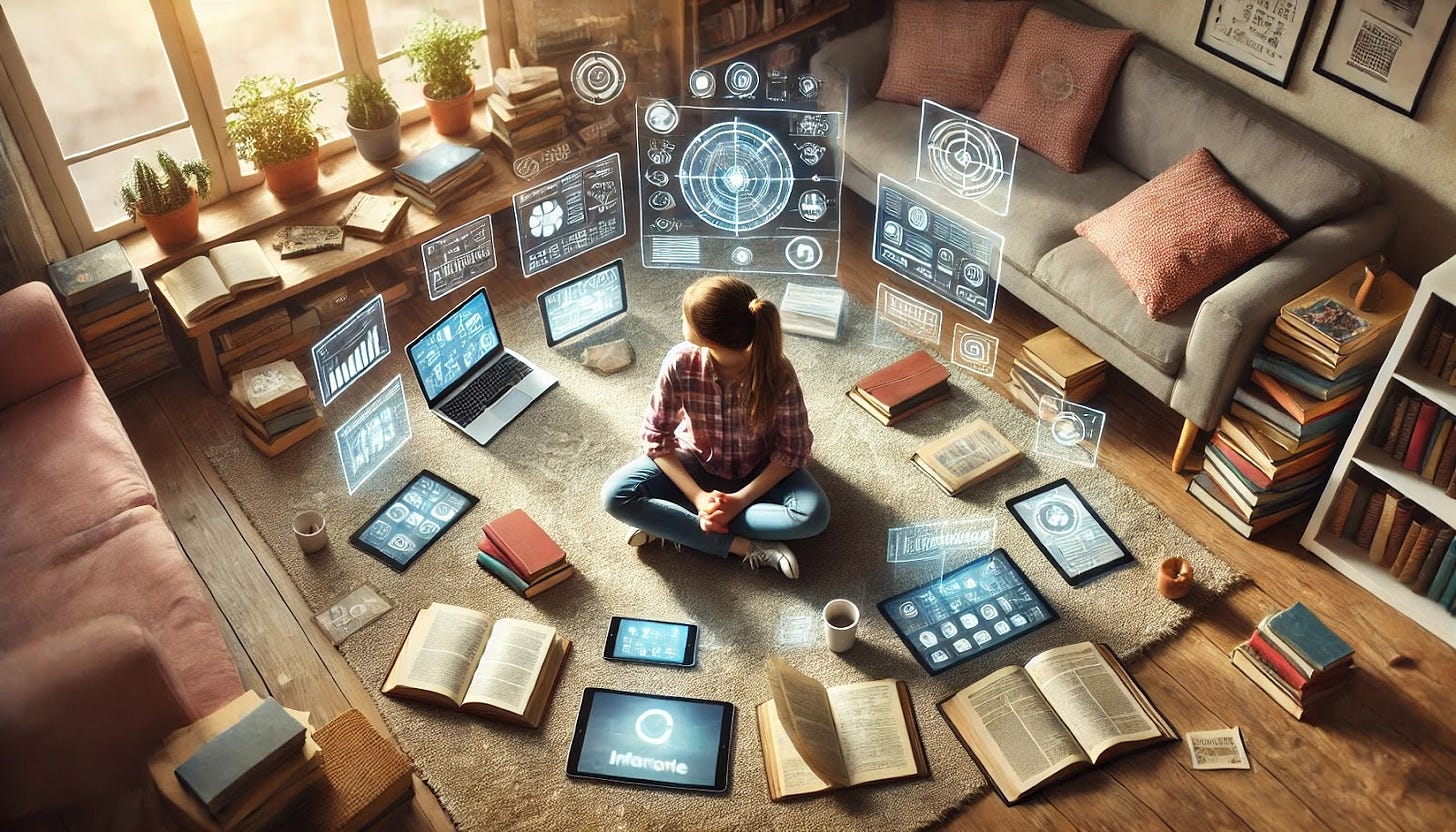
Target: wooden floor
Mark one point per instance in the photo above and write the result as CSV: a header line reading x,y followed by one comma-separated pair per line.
x,y
1382,756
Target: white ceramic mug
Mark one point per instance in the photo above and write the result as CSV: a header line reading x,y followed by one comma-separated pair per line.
x,y
311,530
841,621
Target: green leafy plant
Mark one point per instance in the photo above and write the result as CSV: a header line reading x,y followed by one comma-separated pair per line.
x,y
369,104
166,187
272,120
441,53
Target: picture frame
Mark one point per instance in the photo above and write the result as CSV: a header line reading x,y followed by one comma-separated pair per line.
x,y
394,536
1069,532
1385,50
1251,36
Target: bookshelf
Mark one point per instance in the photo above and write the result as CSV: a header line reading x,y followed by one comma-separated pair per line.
x,y
1401,367
704,56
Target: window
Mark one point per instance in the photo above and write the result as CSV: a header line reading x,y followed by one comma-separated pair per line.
x,y
130,76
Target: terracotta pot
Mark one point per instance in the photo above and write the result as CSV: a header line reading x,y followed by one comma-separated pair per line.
x,y
294,177
451,117
173,228
1175,578
376,145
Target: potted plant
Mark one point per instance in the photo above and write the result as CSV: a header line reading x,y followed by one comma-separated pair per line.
x,y
165,197
372,117
441,53
272,126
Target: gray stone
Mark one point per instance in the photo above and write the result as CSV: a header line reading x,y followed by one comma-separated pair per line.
x,y
608,358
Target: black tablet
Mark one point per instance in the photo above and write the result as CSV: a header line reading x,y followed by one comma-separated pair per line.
x,y
406,525
971,610
1069,532
667,742
583,302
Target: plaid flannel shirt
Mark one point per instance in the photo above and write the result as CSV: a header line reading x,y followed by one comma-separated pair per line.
x,y
693,410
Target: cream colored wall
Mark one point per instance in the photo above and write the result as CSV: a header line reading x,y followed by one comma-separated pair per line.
x,y
1417,157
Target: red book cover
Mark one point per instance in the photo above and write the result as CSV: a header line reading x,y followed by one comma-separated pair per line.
x,y
1248,469
1286,670
1420,437
523,544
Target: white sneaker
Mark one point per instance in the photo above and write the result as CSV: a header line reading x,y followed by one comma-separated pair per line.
x,y
772,553
638,538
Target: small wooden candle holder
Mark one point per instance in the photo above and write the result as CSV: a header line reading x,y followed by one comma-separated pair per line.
x,y
1175,578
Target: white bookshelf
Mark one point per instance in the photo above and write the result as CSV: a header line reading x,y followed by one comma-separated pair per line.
x,y
1401,366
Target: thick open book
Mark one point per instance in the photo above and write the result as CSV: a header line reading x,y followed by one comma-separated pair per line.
x,y
458,658
1069,709
205,282
816,739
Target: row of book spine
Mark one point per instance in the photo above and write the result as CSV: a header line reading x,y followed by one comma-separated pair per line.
x,y
1438,347
1416,432
1418,549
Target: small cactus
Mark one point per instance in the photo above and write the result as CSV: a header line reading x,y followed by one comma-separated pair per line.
x,y
147,191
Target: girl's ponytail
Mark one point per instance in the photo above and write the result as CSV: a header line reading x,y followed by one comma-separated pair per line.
x,y
768,370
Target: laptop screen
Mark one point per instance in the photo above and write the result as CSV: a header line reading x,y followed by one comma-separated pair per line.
x,y
457,344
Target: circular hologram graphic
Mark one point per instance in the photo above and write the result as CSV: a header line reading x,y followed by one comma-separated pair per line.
x,y
702,84
1056,517
804,253
661,117
1068,429
808,86
736,176
598,77
741,78
741,256
965,158
546,218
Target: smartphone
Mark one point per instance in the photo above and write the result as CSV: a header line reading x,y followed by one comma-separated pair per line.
x,y
652,642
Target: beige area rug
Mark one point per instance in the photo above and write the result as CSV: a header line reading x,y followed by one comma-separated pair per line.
x,y
552,463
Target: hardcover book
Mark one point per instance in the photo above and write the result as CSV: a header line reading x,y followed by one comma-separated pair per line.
x,y
974,452
430,169
524,545
1307,635
206,282
490,559
1059,734
1327,313
1062,358
373,217
903,388
83,277
228,764
455,657
816,739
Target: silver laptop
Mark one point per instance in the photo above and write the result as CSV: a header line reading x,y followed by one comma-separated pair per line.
x,y
469,377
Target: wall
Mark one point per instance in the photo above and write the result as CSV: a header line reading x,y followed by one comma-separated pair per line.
x,y
1417,157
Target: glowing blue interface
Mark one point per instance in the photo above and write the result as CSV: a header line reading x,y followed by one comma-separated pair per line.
x,y
580,304
454,346
652,738
651,641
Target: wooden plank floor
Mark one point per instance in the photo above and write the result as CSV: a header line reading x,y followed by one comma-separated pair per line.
x,y
1382,756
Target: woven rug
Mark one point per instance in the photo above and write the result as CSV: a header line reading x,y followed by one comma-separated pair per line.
x,y
552,463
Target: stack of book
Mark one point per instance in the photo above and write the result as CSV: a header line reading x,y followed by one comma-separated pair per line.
x,y
1397,535
111,311
264,338
527,109
441,176
1270,455
815,311
241,768
522,555
374,217
1295,658
275,406
902,389
1055,364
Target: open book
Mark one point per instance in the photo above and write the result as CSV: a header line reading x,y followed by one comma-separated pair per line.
x,y
205,282
458,658
1066,711
816,739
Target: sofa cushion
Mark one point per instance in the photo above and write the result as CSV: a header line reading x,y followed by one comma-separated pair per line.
x,y
1055,84
70,464
950,51
1046,203
1162,108
1083,278
1180,233
128,565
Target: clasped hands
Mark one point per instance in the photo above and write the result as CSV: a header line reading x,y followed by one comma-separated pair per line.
x,y
716,509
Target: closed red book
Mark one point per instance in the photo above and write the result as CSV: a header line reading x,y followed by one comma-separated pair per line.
x,y
525,546
1420,437
1236,459
897,385
1275,659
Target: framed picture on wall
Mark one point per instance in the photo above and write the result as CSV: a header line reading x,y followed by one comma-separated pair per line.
x,y
1385,49
1257,35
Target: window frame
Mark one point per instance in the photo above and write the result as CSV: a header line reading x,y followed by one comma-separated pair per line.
x,y
205,111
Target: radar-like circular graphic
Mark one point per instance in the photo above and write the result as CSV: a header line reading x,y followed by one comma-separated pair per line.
x,y
736,176
701,83
1068,429
741,78
546,218
598,77
966,158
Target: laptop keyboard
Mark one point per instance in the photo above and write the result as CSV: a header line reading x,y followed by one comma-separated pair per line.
x,y
485,389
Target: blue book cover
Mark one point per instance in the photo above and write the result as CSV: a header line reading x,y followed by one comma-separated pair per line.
x,y
1309,637
500,570
1306,382
1441,584
438,164
233,760
1260,403
91,273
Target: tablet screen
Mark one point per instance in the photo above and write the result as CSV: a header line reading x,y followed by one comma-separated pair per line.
x,y
665,741
641,640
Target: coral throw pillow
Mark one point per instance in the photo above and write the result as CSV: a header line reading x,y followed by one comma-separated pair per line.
x,y
1055,85
1182,231
950,51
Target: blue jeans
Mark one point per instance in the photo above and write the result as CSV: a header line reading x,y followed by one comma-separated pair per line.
x,y
641,495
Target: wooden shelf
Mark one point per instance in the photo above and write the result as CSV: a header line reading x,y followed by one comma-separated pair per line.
x,y
1426,494
762,39
1354,563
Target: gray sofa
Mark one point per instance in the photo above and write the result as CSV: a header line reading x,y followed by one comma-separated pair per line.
x,y
1161,108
